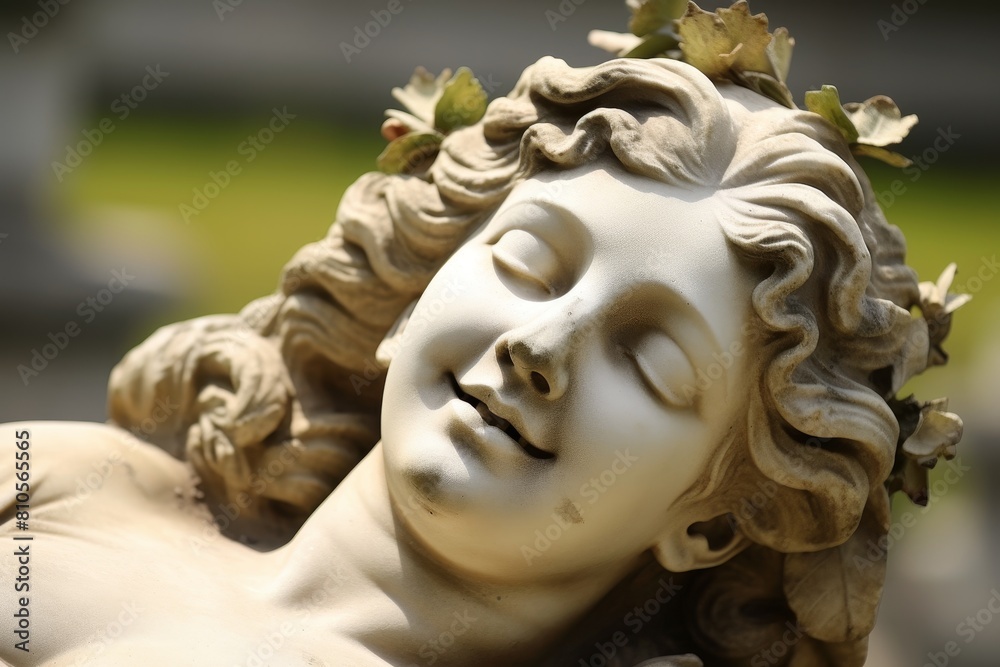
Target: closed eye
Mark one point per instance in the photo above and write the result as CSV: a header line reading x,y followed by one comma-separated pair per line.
x,y
530,261
666,370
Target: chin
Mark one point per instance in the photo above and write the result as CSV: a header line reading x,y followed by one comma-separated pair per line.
x,y
425,474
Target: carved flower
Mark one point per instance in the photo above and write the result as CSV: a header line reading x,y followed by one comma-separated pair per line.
x,y
937,306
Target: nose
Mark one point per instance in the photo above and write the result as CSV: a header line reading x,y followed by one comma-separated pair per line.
x,y
541,351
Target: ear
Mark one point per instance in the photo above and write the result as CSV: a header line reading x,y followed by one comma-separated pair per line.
x,y
393,340
704,544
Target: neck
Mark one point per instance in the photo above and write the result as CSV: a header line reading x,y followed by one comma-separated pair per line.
x,y
355,566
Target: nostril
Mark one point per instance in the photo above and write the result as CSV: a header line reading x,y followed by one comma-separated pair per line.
x,y
539,382
504,356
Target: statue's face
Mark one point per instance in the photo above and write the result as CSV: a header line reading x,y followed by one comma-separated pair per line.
x,y
567,374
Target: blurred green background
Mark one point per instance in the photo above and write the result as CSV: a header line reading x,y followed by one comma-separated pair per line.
x,y
280,201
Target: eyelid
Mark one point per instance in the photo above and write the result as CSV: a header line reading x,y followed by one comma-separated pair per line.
x,y
528,257
653,376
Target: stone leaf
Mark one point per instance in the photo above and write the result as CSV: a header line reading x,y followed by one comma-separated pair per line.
x,y
907,475
705,42
913,482
420,96
648,16
727,39
879,121
462,102
779,52
835,592
408,153
767,86
652,46
937,434
749,31
936,298
826,103
891,158
938,304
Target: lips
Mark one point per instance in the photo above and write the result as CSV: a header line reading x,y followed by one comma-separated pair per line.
x,y
499,422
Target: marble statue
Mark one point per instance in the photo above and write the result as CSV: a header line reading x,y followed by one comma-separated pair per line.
x,y
604,374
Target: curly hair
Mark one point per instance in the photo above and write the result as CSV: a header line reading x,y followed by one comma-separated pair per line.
x,y
297,370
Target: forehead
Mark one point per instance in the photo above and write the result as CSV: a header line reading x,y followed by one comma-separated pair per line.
x,y
628,224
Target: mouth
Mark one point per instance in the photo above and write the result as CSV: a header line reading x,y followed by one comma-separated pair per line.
x,y
498,422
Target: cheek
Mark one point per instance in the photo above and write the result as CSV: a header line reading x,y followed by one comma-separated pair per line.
x,y
618,428
449,309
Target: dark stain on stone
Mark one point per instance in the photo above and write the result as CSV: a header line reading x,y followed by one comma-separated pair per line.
x,y
568,511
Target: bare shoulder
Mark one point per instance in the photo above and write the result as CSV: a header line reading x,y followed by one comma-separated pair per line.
x,y
60,460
